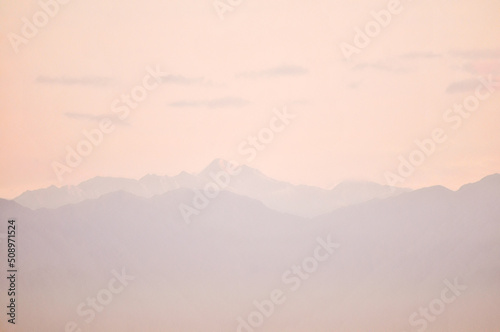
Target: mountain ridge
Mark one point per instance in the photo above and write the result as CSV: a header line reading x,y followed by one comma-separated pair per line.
x,y
301,200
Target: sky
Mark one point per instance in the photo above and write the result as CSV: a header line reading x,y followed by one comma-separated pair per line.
x,y
227,71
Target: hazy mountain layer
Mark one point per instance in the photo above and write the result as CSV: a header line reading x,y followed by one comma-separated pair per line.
x,y
397,256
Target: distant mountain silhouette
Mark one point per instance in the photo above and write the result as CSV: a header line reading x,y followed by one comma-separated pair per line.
x,y
300,200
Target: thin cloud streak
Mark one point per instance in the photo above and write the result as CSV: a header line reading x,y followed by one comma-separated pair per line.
x,y
212,103
279,71
94,118
66,80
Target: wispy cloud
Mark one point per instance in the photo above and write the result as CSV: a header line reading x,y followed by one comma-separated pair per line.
x,y
97,80
392,67
184,80
95,118
65,80
420,55
212,103
279,71
477,54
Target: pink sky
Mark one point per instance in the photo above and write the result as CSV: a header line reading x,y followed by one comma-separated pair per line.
x,y
224,78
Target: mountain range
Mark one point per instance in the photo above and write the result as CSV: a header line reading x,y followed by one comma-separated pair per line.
x,y
395,256
300,200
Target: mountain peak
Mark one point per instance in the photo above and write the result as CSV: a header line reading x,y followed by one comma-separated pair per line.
x,y
220,164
